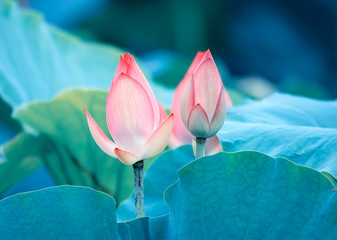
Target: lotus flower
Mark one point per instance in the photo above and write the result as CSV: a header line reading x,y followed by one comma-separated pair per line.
x,y
203,103
180,135
135,118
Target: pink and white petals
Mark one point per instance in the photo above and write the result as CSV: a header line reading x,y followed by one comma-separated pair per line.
x,y
180,135
100,138
163,114
207,86
126,157
187,102
137,123
176,141
184,101
196,61
130,114
127,65
203,104
198,123
228,100
159,139
220,113
213,145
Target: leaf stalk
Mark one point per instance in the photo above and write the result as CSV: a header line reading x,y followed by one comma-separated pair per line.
x,y
139,188
200,147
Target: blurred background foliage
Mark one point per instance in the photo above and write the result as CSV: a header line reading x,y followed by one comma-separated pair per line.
x,y
259,46
266,45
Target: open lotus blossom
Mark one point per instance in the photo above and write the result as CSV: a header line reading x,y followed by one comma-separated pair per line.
x,y
201,100
135,119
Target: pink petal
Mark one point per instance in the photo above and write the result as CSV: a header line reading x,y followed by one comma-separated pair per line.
x,y
213,145
129,114
198,123
220,113
126,157
176,141
159,139
100,138
194,64
128,66
206,54
228,99
163,114
207,86
187,102
180,135
179,130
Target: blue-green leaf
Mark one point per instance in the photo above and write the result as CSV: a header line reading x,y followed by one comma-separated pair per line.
x,y
242,195
8,126
69,212
285,109
64,212
39,61
21,158
249,195
300,129
145,228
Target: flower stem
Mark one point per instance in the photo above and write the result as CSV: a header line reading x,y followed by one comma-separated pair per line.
x,y
139,188
200,146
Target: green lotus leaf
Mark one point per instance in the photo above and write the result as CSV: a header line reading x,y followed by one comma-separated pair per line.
x,y
38,61
20,159
249,195
300,129
64,212
241,195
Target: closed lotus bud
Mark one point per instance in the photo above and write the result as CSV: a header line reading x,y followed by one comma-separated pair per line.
x,y
180,135
203,104
135,119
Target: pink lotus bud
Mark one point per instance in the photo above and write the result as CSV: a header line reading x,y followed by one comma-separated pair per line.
x,y
180,135
135,118
203,103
